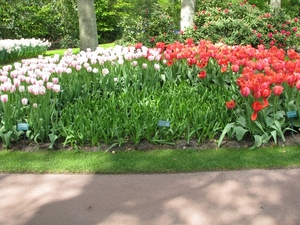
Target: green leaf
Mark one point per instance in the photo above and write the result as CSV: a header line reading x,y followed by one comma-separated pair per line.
x,y
279,130
240,132
7,137
274,135
258,140
269,121
296,123
52,138
280,114
242,121
226,130
291,106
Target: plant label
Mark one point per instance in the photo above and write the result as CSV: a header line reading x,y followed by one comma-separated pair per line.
x,y
22,126
163,123
291,114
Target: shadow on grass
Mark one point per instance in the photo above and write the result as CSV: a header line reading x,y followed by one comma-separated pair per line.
x,y
158,161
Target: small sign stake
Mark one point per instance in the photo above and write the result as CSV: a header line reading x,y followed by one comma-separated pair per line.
x,y
163,123
22,126
291,115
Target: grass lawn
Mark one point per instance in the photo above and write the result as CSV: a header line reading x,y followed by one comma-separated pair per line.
x,y
51,53
75,50
156,161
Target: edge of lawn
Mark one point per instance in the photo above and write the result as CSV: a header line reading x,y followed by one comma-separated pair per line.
x,y
74,50
154,161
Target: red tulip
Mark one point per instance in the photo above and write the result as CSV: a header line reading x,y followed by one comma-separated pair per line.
x,y
298,85
235,68
202,74
230,104
266,93
256,106
277,90
245,91
257,94
138,45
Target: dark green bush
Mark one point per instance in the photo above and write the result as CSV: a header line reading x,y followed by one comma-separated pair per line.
x,y
148,28
55,21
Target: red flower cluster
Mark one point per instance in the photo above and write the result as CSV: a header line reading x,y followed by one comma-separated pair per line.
x,y
263,71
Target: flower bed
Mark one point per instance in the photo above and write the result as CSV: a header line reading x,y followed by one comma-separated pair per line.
x,y
11,50
121,94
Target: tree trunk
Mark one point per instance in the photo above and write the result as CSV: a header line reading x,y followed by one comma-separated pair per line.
x,y
275,3
87,25
187,14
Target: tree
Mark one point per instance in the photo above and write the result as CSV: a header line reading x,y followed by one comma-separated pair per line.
x,y
275,3
187,13
87,25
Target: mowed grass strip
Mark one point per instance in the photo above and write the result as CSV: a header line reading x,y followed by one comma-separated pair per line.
x,y
74,50
158,161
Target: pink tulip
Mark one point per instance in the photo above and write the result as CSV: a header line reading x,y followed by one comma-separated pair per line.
x,y
3,79
156,66
54,80
78,67
134,63
56,88
27,80
24,101
121,61
4,98
13,88
42,90
6,86
49,85
21,88
69,71
105,71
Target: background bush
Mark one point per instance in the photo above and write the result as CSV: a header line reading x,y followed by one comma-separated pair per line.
x,y
131,21
149,26
243,23
55,21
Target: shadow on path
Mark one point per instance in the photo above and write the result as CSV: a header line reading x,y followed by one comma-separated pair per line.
x,y
236,197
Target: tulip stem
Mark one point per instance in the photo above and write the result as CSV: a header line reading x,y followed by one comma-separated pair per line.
x,y
275,106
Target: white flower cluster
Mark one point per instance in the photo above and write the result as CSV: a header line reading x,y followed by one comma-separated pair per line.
x,y
10,45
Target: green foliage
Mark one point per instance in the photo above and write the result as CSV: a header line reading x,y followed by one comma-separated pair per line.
x,y
40,19
138,21
108,14
242,23
150,26
11,50
291,7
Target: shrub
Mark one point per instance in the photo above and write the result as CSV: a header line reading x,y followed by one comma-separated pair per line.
x,y
11,50
40,19
148,28
242,23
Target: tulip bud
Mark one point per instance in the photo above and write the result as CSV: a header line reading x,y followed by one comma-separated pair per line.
x,y
245,91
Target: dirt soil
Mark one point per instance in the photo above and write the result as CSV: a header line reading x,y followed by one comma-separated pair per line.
x,y
145,145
